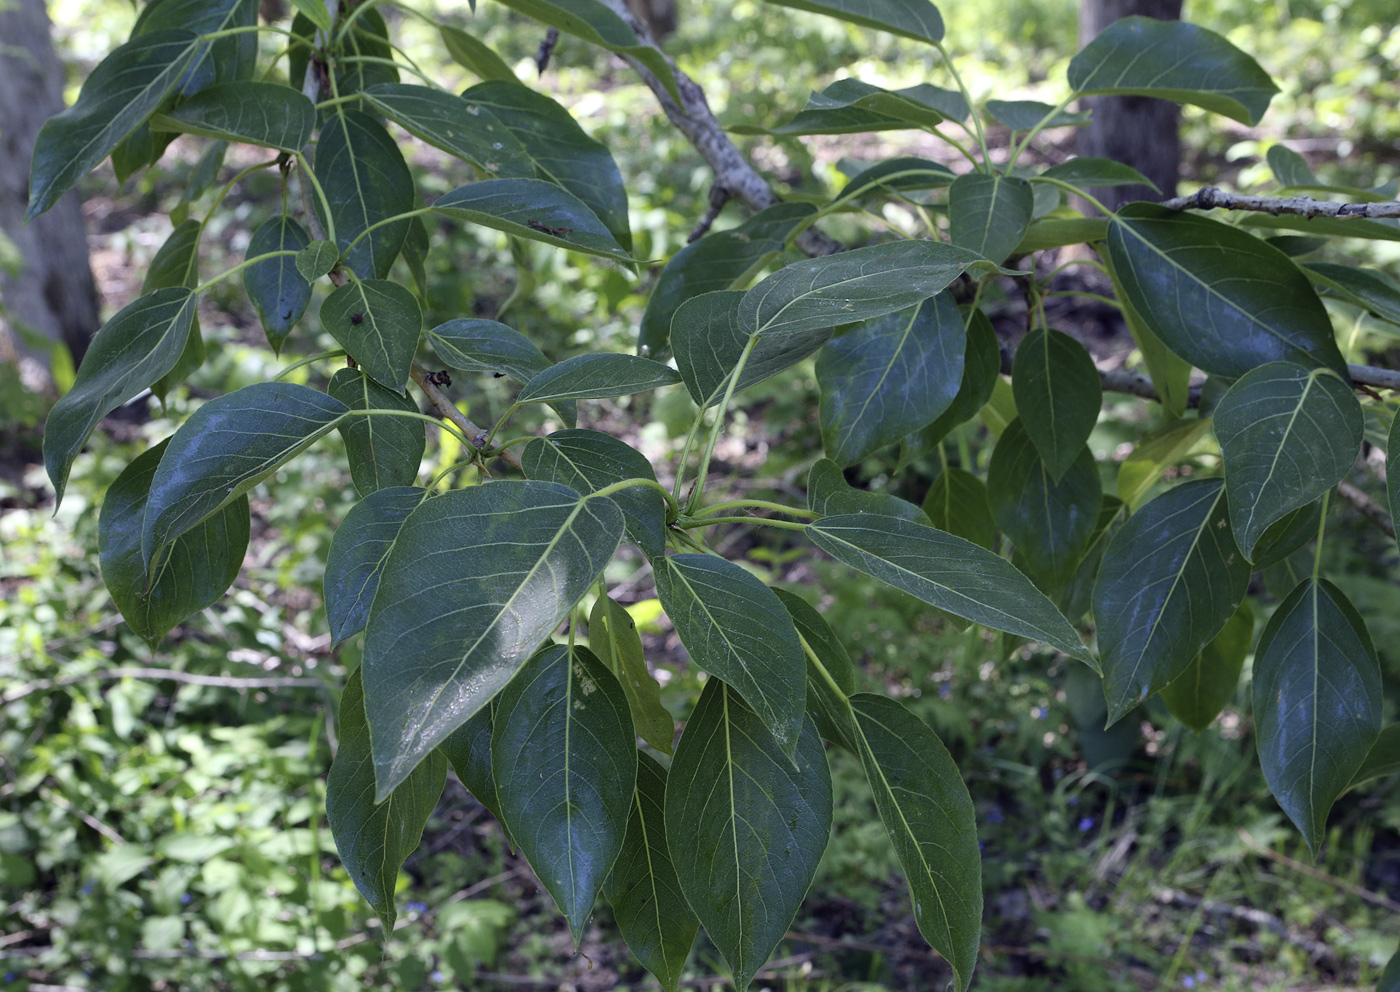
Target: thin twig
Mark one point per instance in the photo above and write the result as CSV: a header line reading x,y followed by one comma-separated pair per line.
x,y
62,803
1317,950
1317,873
1209,198
164,674
449,410
1378,515
719,196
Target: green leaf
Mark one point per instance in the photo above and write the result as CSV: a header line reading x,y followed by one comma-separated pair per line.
x,y
1197,695
357,553
374,838
1382,229
564,759
129,353
1173,60
1392,468
1050,521
1057,232
176,264
1286,535
854,285
535,210
1390,978
746,822
898,175
118,96
1170,374
989,214
366,181
368,39
917,19
560,149
317,259
1218,297
589,460
612,634
227,447
471,53
826,702
1370,289
736,629
384,452
1022,115
191,358
645,893
1075,600
716,262
1087,172
268,114
829,494
981,372
927,810
476,345
1154,454
279,290
1288,434
476,581
889,377
1382,761
1058,394
949,573
1290,168
850,106
957,502
378,323
316,12
597,376
194,574
468,749
449,122
1170,580
1317,702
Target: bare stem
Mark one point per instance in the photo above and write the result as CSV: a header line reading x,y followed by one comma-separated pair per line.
x,y
1210,198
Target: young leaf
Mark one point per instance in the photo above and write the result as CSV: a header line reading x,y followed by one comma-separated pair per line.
x,y
1286,535
378,322
1171,374
851,106
596,376
447,121
1370,289
176,264
366,181
927,810
195,573
1220,298
1290,168
898,175
1051,522
989,214
1317,702
278,289
1169,581
1288,435
374,838
468,749
889,377
589,460
564,759
317,259
854,285
1022,115
612,634
120,94
473,54
1197,695
1382,761
646,898
957,502
253,113
1173,60
535,210
383,451
746,822
476,581
227,447
1075,600
1154,454
357,553
736,629
131,351
1087,172
826,702
829,494
917,19
949,573
1058,395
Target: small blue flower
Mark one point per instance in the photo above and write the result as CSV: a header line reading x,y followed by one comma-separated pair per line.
x,y
945,690
1039,712
9,976
438,977
994,815
417,907
186,898
1189,981
1086,824
981,846
1073,800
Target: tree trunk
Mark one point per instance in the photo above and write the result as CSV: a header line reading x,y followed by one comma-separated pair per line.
x,y
1137,131
53,293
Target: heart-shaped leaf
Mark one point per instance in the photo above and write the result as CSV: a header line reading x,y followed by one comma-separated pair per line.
x,y
195,572
383,451
889,377
374,838
829,494
1173,60
747,820
612,634
1317,702
317,259
357,553
957,502
1058,396
1197,695
532,209
131,351
1288,435
1220,298
377,322
476,581
917,19
927,810
596,376
949,573
989,214
564,759
736,629
831,677
366,181
449,122
279,290
1170,580
253,113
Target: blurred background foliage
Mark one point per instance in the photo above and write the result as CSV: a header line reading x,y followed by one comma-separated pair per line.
x,y
161,834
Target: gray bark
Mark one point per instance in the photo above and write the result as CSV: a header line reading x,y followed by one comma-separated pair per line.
x,y
53,293
1138,131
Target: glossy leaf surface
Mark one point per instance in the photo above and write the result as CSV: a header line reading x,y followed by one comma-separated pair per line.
x,y
357,553
981,372
829,494
957,502
471,53
377,322
1197,695
989,214
613,637
532,209
476,345
1058,396
1383,760
316,260
468,750
597,376
1088,172
277,287
851,106
1372,289
829,685
254,113
899,174
383,451
917,19
449,122
366,181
